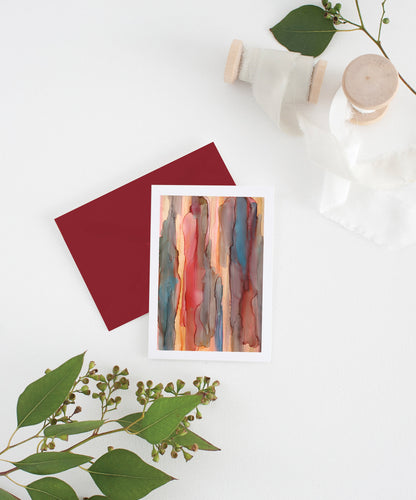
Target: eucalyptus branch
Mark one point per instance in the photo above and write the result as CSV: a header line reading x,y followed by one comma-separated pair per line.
x,y
309,29
165,419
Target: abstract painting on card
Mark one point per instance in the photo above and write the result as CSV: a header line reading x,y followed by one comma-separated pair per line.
x,y
211,273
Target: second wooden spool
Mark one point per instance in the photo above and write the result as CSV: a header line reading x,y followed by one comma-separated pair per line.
x,y
369,83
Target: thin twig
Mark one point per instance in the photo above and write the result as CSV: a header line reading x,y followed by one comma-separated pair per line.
x,y
381,20
359,13
361,27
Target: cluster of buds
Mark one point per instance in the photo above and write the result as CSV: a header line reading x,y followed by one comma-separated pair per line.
x,y
333,12
180,384
176,448
46,444
63,414
107,385
147,392
207,391
204,386
160,449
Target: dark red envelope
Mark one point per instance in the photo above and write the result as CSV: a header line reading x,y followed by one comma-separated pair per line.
x,y
109,238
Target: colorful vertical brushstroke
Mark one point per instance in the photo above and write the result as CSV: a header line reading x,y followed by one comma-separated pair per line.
x,y
210,273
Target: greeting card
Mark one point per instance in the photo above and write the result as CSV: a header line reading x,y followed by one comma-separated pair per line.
x,y
211,271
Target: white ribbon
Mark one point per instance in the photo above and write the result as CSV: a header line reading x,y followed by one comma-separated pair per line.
x,y
369,184
280,82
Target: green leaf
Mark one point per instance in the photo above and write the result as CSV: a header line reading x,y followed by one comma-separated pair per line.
x,y
162,418
72,428
190,438
305,30
51,462
97,497
6,496
51,488
122,475
41,398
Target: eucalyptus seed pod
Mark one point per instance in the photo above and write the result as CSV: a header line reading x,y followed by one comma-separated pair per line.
x,y
102,386
169,387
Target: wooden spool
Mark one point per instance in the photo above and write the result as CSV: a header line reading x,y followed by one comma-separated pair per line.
x,y
369,83
232,69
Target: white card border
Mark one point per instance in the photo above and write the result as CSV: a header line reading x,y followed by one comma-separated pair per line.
x,y
254,191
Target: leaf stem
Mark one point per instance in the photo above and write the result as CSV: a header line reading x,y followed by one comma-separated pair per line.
x,y
8,471
10,446
24,441
353,29
10,441
15,482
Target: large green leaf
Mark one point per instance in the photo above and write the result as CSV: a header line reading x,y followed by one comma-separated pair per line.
x,y
51,488
41,398
190,438
72,428
51,462
305,30
162,418
6,496
122,475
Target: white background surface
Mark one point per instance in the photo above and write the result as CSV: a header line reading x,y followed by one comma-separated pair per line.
x,y
94,94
